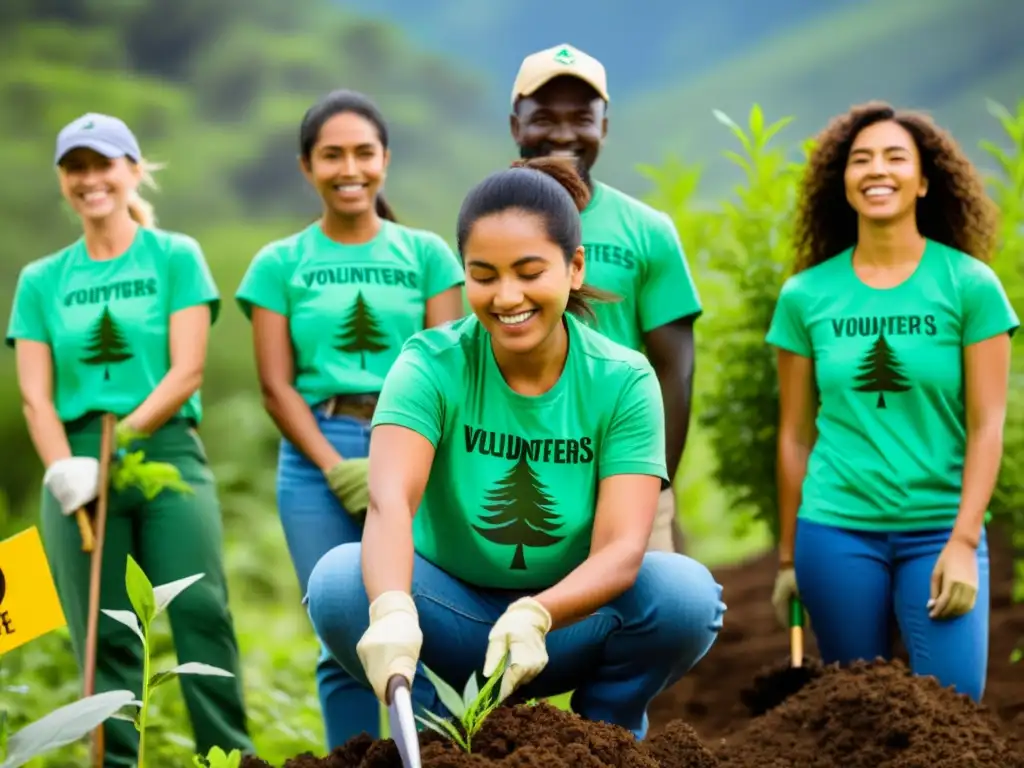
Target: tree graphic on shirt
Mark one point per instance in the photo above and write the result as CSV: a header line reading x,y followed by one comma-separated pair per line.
x,y
522,513
106,344
880,371
360,331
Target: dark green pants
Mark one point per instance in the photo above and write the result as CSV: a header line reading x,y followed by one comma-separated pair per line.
x,y
172,536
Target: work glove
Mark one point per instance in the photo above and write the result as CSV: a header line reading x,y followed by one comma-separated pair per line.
x,y
74,482
954,586
785,589
520,633
391,644
348,482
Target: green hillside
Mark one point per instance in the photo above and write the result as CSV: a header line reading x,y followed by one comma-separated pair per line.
x,y
946,56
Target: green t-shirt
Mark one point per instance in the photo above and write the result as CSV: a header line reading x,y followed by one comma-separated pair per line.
x,y
350,307
108,322
512,491
891,426
634,251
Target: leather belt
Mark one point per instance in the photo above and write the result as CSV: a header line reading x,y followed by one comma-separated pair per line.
x,y
360,405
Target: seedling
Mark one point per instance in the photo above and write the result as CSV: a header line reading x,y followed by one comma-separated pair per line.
x,y
217,758
151,477
470,708
148,603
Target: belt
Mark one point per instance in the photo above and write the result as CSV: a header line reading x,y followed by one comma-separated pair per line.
x,y
360,405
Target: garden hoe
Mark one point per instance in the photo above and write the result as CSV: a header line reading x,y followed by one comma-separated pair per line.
x,y
402,722
775,686
92,542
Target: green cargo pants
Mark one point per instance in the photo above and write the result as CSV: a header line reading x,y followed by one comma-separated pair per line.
x,y
172,536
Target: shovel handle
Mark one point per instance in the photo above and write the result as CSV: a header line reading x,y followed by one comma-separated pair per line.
x,y
796,631
394,683
85,528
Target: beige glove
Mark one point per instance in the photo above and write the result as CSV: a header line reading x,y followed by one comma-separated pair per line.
x,y
519,632
785,588
954,583
391,644
348,482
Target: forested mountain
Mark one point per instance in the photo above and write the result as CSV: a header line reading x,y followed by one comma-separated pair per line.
x,y
671,63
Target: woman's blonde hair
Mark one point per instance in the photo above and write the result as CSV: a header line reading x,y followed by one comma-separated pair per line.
x,y
140,209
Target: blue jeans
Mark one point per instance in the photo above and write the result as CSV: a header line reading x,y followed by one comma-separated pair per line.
x,y
314,522
852,582
616,660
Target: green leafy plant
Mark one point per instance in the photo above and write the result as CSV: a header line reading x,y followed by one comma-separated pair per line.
x,y
149,602
470,708
753,254
63,726
218,758
130,468
150,477
1007,186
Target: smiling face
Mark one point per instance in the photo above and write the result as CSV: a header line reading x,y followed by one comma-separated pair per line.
x,y
883,173
97,186
347,164
564,118
517,280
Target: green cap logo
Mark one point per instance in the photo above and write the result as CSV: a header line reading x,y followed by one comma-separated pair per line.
x,y
88,126
565,56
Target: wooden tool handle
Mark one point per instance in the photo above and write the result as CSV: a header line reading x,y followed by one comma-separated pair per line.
x,y
85,528
796,645
107,438
796,631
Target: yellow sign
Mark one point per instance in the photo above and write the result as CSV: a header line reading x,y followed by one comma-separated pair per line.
x,y
29,606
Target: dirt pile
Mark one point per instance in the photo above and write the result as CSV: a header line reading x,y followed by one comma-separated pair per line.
x,y
872,715
709,699
538,736
776,683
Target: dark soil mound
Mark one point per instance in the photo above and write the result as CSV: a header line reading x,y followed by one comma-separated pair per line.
x,y
873,715
539,736
709,698
776,683
678,746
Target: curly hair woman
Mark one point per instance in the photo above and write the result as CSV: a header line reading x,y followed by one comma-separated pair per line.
x,y
893,342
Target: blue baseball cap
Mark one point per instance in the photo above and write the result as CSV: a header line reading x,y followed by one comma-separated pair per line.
x,y
109,136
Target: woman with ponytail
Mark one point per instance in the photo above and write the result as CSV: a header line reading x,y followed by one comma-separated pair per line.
x,y
330,308
117,322
515,464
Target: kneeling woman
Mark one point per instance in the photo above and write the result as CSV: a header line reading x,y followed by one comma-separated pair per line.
x,y
515,464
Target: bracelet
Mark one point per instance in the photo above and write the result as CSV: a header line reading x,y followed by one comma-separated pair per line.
x,y
785,564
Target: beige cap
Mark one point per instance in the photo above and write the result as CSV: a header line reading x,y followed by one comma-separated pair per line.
x,y
542,66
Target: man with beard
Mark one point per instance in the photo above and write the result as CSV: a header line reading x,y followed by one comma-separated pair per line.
x,y
559,108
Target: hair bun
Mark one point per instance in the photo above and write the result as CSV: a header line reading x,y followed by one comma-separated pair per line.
x,y
564,171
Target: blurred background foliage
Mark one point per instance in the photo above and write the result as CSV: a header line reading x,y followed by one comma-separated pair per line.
x,y
713,106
